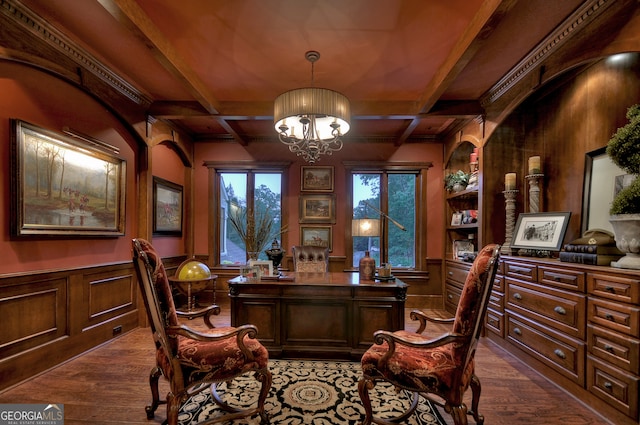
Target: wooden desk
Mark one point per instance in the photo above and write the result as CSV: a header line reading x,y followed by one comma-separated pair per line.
x,y
318,315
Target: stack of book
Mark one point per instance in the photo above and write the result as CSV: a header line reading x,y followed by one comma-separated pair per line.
x,y
596,255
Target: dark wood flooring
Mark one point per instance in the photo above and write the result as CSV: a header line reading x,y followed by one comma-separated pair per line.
x,y
109,385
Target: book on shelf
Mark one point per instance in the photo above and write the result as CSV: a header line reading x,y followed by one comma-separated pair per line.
x,y
593,249
590,259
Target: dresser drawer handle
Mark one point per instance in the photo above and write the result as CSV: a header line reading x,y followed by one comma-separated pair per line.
x,y
560,310
609,316
517,296
608,385
559,353
450,273
608,348
450,296
517,331
609,289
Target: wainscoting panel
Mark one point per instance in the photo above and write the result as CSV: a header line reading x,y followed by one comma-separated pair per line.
x,y
52,316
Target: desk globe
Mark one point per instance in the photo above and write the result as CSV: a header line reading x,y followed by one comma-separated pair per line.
x,y
192,277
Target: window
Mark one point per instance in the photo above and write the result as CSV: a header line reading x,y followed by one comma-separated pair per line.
x,y
239,191
390,197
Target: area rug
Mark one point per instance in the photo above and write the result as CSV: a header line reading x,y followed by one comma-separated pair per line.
x,y
311,392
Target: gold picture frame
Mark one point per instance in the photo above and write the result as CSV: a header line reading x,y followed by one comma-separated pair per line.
x,y
64,187
317,236
318,208
316,179
167,207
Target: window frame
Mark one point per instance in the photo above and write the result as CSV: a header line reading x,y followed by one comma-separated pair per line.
x,y
215,169
386,168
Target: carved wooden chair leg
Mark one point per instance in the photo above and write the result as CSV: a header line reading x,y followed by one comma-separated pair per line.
x,y
457,412
173,408
476,389
363,390
155,396
266,378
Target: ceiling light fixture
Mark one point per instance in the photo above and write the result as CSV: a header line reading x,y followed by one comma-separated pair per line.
x,y
311,120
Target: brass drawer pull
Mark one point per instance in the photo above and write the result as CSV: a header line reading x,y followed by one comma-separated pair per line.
x,y
609,316
608,385
517,331
560,310
517,296
559,353
608,348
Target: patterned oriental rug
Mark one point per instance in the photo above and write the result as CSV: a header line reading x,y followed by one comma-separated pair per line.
x,y
311,392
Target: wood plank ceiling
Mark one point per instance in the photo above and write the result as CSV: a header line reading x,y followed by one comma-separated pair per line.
x,y
414,70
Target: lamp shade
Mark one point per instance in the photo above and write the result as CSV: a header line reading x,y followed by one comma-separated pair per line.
x,y
365,227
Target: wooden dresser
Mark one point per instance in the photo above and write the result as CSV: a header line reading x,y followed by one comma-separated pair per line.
x,y
578,325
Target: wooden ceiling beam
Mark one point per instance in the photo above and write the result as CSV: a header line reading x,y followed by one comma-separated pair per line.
x,y
129,14
484,22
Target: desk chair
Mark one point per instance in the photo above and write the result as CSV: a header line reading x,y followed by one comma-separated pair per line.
x,y
309,258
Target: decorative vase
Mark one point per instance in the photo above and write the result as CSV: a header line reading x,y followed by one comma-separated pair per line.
x,y
367,267
626,228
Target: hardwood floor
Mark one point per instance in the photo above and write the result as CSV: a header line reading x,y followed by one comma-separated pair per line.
x,y
109,385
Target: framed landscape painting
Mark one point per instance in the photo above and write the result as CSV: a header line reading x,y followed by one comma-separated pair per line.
x,y
316,236
167,207
317,179
318,208
61,187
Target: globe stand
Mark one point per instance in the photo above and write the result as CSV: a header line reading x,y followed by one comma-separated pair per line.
x,y
191,278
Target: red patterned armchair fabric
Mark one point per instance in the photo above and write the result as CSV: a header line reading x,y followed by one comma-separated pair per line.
x,y
188,358
443,366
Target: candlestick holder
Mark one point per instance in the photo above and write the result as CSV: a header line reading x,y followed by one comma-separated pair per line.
x,y
510,219
535,183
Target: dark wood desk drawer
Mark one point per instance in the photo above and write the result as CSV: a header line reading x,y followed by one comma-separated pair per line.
x,y
617,388
522,271
572,280
614,347
562,310
619,317
614,287
451,296
495,322
457,272
498,283
564,354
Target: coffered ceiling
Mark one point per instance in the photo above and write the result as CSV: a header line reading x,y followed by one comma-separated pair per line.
x,y
414,70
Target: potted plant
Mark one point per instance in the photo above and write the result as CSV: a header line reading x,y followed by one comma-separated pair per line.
x,y
255,230
624,151
457,181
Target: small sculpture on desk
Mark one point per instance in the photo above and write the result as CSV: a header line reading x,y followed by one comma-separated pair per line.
x,y
275,254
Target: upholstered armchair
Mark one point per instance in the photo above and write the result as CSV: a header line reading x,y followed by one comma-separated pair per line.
x,y
440,369
192,360
309,258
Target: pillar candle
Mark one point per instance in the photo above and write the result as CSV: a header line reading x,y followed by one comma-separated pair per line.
x,y
534,165
473,157
510,181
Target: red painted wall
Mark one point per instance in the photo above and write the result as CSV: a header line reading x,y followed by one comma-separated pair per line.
x,y
275,151
48,102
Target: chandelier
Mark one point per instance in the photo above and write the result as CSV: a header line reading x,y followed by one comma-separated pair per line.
x,y
311,120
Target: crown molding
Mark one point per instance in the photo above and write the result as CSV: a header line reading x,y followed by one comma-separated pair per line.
x,y
585,14
19,14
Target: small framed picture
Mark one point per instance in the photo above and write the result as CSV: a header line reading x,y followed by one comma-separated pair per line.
x,y
316,179
456,219
462,249
540,231
265,266
316,235
318,208
167,207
